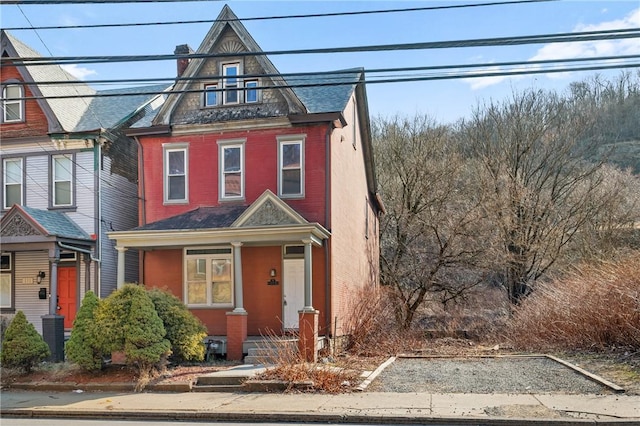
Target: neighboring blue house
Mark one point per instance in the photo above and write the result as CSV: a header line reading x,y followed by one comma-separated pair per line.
x,y
68,176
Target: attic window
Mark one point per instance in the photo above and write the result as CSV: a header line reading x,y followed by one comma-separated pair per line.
x,y
210,95
12,104
230,83
251,91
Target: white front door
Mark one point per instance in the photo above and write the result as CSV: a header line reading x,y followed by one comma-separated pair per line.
x,y
292,291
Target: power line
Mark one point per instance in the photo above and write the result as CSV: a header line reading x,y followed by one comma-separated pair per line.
x,y
341,73
275,17
446,76
484,42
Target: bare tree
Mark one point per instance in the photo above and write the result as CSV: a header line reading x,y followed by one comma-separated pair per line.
x,y
432,235
532,154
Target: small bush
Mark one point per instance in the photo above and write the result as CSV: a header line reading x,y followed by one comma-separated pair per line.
x,y
595,307
23,347
128,322
184,330
83,346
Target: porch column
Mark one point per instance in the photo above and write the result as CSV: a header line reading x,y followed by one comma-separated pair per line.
x,y
237,277
87,272
308,269
53,284
236,319
120,276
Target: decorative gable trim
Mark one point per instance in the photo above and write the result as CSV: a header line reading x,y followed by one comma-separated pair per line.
x,y
269,210
224,19
17,223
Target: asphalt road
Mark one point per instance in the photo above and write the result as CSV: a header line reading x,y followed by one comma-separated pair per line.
x,y
110,422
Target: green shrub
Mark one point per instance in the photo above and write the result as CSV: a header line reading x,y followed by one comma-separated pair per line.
x,y
129,323
184,330
83,347
145,346
23,347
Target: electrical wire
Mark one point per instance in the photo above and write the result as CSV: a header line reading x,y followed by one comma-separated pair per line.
x,y
278,17
484,42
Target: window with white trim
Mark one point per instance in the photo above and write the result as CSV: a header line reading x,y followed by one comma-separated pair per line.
x,y
12,182
175,173
291,166
231,156
12,104
210,95
6,281
230,83
208,280
62,178
251,91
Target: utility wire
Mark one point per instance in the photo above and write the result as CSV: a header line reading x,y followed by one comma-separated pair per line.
x,y
484,42
447,76
275,17
340,73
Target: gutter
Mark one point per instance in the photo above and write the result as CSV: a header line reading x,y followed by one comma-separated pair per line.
x,y
327,224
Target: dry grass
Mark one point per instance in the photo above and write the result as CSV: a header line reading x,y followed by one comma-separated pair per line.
x,y
596,307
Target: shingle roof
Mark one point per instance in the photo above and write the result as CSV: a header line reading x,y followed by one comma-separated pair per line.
x,y
110,111
68,111
330,97
56,223
200,218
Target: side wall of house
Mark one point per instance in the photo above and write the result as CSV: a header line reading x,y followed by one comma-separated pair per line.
x,y
354,241
119,212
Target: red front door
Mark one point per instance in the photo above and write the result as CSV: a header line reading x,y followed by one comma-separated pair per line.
x,y
67,294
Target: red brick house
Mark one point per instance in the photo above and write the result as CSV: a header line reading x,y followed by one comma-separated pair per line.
x,y
259,206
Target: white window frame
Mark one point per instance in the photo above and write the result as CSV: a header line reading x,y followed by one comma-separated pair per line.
x,y
5,183
210,88
167,149
208,254
251,85
12,101
228,85
222,146
6,275
282,142
55,179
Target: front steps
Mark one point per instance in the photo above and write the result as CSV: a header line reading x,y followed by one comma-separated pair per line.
x,y
270,351
230,380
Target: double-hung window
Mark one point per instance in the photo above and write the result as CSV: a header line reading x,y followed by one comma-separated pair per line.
x,y
12,104
62,178
291,166
230,83
6,281
231,154
12,182
251,91
210,95
175,173
208,277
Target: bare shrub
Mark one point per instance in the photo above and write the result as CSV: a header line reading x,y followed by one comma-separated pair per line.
x,y
593,307
370,324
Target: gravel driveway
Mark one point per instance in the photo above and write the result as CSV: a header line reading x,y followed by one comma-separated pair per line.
x,y
483,375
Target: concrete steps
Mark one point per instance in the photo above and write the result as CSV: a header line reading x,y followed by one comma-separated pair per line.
x,y
230,380
269,351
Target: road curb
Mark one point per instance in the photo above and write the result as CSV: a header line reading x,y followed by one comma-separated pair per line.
x,y
304,418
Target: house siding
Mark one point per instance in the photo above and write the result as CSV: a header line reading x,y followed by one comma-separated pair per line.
x,y
27,265
119,211
350,205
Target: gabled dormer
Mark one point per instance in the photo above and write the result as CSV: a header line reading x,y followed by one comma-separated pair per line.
x,y
228,83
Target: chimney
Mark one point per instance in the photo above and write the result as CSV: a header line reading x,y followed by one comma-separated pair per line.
x,y
182,49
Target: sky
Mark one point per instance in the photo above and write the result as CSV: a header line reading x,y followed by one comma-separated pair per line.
x,y
445,101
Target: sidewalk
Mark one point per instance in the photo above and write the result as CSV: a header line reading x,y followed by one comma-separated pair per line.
x,y
360,407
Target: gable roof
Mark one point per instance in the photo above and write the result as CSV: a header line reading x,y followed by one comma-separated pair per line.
x,y
64,114
225,19
23,220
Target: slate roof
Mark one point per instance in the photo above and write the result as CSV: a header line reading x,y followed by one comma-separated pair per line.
x,y
111,111
56,223
327,98
200,218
